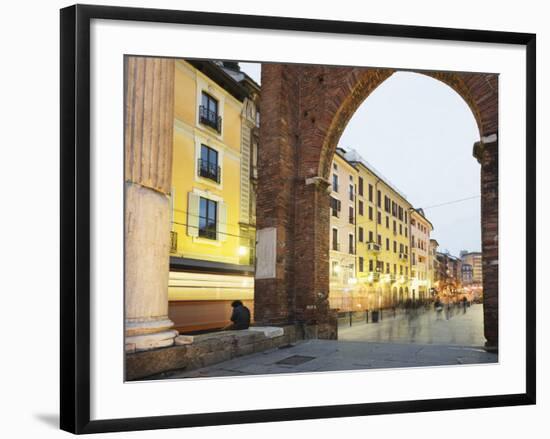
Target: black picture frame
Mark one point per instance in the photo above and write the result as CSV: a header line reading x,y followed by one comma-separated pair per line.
x,y
75,217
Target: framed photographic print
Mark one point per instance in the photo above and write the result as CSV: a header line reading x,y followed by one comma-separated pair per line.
x,y
256,207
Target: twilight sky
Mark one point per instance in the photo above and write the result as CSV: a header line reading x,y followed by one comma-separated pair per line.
x,y
419,134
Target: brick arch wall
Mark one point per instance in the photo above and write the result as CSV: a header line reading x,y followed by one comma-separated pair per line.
x,y
305,109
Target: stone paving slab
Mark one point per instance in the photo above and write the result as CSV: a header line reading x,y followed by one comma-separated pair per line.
x,y
331,355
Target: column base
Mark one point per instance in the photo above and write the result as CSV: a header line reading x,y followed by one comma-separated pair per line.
x,y
147,326
145,342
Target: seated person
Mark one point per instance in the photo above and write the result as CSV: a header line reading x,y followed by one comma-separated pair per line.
x,y
240,317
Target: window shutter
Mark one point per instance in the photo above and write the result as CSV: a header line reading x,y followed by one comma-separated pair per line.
x,y
221,227
193,214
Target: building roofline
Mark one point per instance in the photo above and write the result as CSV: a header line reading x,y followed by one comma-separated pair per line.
x,y
421,213
362,162
223,79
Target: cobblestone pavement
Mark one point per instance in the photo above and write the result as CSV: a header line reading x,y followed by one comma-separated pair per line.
x,y
406,341
424,327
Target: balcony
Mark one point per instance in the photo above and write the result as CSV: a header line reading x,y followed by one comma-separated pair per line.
x,y
374,276
209,170
210,118
373,247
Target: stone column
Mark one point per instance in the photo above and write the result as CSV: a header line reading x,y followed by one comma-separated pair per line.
x,y
148,139
486,153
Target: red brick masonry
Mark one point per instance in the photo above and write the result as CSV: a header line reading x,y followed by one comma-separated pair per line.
x,y
304,112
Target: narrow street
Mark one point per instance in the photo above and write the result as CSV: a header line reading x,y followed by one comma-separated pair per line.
x,y
420,338
423,327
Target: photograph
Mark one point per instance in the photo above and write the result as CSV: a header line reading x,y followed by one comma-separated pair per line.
x,y
287,218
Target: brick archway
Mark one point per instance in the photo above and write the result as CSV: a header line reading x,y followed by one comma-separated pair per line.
x,y
304,112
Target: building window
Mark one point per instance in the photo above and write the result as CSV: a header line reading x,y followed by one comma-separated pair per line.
x,y
406,233
370,213
334,270
208,112
395,246
371,265
334,182
387,204
335,206
335,239
360,232
350,244
387,243
360,188
379,198
379,240
351,191
371,236
208,218
335,166
405,217
351,216
208,164
370,192
400,229
361,211
394,227
387,267
361,264
379,215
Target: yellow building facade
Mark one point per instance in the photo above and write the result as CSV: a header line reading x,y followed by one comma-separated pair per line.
x,y
213,206
382,241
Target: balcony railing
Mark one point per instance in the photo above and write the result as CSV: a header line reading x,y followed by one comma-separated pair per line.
x,y
208,232
373,247
374,276
209,170
210,118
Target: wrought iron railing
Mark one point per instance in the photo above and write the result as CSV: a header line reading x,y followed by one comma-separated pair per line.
x,y
209,170
210,118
